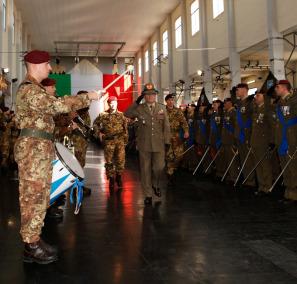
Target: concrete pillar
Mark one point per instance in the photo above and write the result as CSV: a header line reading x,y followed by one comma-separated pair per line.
x,y
170,54
234,57
275,42
207,79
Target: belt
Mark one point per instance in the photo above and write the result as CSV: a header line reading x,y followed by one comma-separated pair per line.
x,y
27,132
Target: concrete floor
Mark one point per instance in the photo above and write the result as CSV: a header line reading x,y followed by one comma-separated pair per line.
x,y
202,232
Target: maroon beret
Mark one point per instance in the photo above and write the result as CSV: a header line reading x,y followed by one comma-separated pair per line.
x,y
37,57
283,82
48,82
112,98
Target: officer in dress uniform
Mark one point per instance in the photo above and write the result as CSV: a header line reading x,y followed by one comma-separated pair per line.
x,y
34,151
286,136
243,129
153,136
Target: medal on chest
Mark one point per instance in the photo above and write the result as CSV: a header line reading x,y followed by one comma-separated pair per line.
x,y
285,110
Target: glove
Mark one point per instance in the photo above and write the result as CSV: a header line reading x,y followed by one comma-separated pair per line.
x,y
139,99
271,146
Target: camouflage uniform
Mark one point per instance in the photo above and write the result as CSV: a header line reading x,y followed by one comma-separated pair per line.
x,y
14,134
80,142
5,145
35,110
177,123
114,128
62,123
2,129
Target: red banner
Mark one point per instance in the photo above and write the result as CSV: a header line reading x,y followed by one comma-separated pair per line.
x,y
122,89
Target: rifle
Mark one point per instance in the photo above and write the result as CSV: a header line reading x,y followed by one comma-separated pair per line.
x,y
213,160
202,159
229,166
243,165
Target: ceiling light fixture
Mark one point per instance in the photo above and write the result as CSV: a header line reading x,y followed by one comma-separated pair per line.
x,y
251,82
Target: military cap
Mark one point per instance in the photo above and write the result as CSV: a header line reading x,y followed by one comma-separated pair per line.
x,y
149,89
112,99
169,96
242,86
37,57
48,82
283,82
82,92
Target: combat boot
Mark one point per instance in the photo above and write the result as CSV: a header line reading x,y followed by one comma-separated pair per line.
x,y
119,180
36,252
51,249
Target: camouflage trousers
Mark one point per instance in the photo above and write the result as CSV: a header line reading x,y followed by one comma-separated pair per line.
x,y
34,157
114,154
4,149
174,155
80,149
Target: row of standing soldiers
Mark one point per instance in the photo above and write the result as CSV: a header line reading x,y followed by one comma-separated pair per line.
x,y
246,138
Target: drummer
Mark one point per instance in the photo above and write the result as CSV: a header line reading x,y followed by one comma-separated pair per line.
x,y
34,151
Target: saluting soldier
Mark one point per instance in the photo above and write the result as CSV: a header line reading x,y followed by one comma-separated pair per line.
x,y
243,130
178,127
286,136
262,140
112,125
152,136
229,141
34,151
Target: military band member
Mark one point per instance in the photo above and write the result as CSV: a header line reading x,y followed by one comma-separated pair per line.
x,y
34,151
286,136
178,127
243,130
153,134
112,125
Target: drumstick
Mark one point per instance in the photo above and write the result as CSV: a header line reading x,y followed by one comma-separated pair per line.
x,y
129,69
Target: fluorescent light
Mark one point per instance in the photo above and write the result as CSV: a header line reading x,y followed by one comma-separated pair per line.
x,y
199,72
251,82
5,70
214,92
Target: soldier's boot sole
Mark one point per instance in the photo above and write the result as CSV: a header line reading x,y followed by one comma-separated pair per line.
x,y
28,259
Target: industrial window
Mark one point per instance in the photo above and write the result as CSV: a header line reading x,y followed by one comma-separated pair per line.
x,y
155,53
165,43
195,17
218,7
4,14
178,32
146,61
139,67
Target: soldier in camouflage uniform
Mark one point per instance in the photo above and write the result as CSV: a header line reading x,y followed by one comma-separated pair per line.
x,y
112,125
178,126
14,134
34,151
5,139
2,129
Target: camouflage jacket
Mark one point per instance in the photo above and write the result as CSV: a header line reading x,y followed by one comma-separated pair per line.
x,y
76,133
35,108
177,121
112,125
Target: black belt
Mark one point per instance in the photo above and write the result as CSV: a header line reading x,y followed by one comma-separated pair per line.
x,y
27,132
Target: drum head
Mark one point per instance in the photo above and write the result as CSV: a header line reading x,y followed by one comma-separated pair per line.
x,y
69,161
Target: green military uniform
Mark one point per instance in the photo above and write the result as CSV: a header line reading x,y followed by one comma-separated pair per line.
x,y
243,130
215,140
113,126
14,134
177,123
228,142
80,142
153,132
34,151
288,109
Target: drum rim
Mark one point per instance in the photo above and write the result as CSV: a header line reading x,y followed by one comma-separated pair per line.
x,y
65,165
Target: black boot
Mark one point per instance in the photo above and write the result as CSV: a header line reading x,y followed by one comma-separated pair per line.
x,y
51,249
54,212
148,201
36,252
119,180
111,184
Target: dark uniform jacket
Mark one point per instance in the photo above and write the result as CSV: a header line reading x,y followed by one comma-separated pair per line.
x,y
229,122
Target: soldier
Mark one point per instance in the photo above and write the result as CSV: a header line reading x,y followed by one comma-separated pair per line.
x,y
229,141
243,130
14,134
177,123
34,151
153,133
215,136
286,137
262,140
5,140
113,127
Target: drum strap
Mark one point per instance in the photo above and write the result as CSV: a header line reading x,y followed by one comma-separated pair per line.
x,y
27,132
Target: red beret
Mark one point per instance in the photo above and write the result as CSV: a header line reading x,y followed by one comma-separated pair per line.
x,y
48,82
37,57
112,98
283,82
